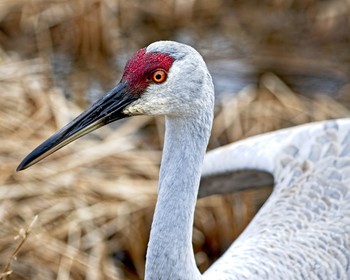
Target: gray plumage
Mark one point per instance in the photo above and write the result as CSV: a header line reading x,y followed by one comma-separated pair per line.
x,y
302,231
189,117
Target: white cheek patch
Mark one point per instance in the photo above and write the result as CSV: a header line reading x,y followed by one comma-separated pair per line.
x,y
134,109
152,102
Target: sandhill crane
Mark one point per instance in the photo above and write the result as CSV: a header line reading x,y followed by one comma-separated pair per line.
x,y
302,231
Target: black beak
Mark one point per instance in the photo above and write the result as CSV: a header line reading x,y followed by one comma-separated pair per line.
x,y
108,109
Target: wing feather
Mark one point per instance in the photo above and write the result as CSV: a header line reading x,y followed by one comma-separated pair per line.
x,y
303,230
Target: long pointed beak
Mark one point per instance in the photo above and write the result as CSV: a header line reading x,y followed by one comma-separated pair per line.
x,y
108,109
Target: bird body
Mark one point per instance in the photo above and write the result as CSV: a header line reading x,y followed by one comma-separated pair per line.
x,y
302,231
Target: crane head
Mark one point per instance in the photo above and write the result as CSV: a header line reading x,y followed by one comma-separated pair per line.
x,y
164,78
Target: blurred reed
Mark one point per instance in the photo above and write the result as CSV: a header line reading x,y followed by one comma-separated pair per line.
x,y
94,199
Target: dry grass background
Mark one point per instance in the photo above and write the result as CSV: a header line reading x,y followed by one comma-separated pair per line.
x,y
85,212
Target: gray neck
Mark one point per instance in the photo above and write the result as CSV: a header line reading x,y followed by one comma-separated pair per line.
x,y
170,254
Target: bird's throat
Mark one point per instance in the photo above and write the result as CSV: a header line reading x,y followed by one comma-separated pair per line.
x,y
170,254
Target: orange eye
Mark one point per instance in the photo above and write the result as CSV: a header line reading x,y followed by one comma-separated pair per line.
x,y
159,76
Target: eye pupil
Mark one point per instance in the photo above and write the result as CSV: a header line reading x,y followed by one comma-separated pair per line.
x,y
159,76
